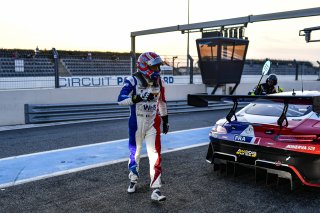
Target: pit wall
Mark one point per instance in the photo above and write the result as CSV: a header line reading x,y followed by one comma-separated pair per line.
x,y
13,101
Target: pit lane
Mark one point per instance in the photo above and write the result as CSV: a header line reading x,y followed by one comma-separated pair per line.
x,y
190,183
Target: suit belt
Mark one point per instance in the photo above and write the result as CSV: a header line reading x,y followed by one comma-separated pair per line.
x,y
144,115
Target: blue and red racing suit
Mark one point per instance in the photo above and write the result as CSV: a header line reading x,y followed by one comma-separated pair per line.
x,y
144,124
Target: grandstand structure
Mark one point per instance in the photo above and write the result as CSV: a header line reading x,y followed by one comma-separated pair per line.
x,y
85,67
21,63
17,63
10,67
280,67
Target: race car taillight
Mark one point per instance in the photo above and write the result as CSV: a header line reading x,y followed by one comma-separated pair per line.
x,y
297,138
218,129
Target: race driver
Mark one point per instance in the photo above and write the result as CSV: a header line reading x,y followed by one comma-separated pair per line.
x,y
268,87
144,92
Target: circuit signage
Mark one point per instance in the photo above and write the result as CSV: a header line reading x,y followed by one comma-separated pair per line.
x,y
96,81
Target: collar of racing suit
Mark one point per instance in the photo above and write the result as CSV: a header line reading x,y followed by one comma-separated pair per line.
x,y
145,82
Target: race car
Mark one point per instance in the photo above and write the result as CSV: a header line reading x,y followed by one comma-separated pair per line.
x,y
277,134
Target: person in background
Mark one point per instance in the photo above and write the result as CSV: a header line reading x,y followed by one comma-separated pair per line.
x,y
144,92
89,56
15,55
36,52
268,87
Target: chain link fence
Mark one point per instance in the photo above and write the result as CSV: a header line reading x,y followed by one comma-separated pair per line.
x,y
22,69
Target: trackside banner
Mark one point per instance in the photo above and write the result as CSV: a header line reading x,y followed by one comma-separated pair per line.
x,y
101,81
82,81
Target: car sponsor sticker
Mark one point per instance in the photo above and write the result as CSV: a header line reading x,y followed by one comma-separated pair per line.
x,y
244,139
301,147
247,153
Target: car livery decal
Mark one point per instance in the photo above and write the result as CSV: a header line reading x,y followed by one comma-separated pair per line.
x,y
247,153
300,147
241,132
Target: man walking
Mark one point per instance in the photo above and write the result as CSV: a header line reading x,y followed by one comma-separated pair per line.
x,y
144,92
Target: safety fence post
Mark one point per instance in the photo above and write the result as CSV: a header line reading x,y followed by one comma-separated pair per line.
x,y
56,67
191,68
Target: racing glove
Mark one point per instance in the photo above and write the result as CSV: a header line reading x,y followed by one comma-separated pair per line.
x,y
144,97
251,93
165,124
136,99
147,96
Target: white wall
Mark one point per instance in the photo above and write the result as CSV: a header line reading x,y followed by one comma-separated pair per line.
x,y
13,101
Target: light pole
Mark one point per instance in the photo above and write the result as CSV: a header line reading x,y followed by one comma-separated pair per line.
x,y
188,42
173,58
318,70
178,66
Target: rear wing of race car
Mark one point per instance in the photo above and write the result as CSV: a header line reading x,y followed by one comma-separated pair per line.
x,y
201,100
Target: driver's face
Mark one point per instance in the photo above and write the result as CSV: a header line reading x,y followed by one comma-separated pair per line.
x,y
155,68
271,83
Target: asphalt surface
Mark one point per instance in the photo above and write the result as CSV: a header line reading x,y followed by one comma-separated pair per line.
x,y
31,140
190,183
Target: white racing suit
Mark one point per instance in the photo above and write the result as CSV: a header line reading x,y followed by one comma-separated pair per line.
x,y
144,123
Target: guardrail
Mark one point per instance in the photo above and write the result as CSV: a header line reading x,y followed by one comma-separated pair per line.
x,y
45,113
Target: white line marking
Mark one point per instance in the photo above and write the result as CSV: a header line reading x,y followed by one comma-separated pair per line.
x,y
88,145
9,184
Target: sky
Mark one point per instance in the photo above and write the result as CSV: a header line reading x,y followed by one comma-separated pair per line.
x,y
102,25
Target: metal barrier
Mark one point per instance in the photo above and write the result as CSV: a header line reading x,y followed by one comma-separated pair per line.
x,y
45,113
